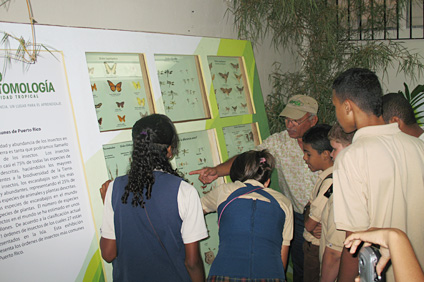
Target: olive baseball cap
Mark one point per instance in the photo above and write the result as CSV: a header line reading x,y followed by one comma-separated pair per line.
x,y
298,106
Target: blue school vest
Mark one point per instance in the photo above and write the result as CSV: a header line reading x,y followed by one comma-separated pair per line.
x,y
140,256
250,237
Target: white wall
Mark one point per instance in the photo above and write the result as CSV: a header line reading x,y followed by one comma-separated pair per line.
x,y
188,17
206,18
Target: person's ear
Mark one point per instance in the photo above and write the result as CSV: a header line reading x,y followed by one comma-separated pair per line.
x,y
327,155
347,106
314,120
169,152
266,184
394,119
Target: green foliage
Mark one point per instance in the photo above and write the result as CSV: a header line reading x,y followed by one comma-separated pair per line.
x,y
416,99
320,36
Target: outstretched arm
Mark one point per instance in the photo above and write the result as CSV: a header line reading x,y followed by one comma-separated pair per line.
x,y
209,174
194,263
394,245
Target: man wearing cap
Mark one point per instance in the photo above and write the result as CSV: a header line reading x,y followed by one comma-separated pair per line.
x,y
295,179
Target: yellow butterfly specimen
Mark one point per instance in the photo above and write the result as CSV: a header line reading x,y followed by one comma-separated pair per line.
x,y
226,91
224,76
120,104
236,66
136,84
240,89
110,70
141,102
93,87
115,87
121,119
98,105
238,77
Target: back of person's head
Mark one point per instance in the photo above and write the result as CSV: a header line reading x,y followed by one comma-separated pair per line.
x,y
337,134
257,165
396,105
317,137
155,141
362,87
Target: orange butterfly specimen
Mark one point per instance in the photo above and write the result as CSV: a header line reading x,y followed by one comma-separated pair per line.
x,y
93,87
224,76
110,70
121,119
236,66
100,120
114,87
240,89
120,104
98,105
226,90
238,77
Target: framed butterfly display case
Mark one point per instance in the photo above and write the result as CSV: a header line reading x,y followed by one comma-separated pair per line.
x,y
120,88
241,138
182,86
117,158
231,86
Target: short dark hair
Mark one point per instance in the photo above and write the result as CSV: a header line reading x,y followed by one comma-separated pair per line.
x,y
396,105
362,87
317,137
337,134
257,165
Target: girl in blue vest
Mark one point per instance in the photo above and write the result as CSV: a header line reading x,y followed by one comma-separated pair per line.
x,y
153,220
255,223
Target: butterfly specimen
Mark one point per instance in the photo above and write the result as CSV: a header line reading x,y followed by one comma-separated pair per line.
x,y
234,108
227,108
251,135
238,77
213,76
226,90
143,114
120,104
210,66
91,70
136,84
100,120
93,87
243,105
110,70
115,87
121,119
141,102
185,151
169,83
98,105
236,66
240,89
224,76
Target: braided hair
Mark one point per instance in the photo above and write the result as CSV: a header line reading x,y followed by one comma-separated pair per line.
x,y
257,165
152,136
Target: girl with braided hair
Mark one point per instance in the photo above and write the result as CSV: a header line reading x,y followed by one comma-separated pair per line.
x,y
255,222
153,220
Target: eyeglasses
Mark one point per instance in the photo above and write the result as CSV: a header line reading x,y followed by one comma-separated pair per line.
x,y
295,122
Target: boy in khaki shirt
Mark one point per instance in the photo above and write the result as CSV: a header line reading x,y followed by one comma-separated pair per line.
x,y
331,242
317,150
